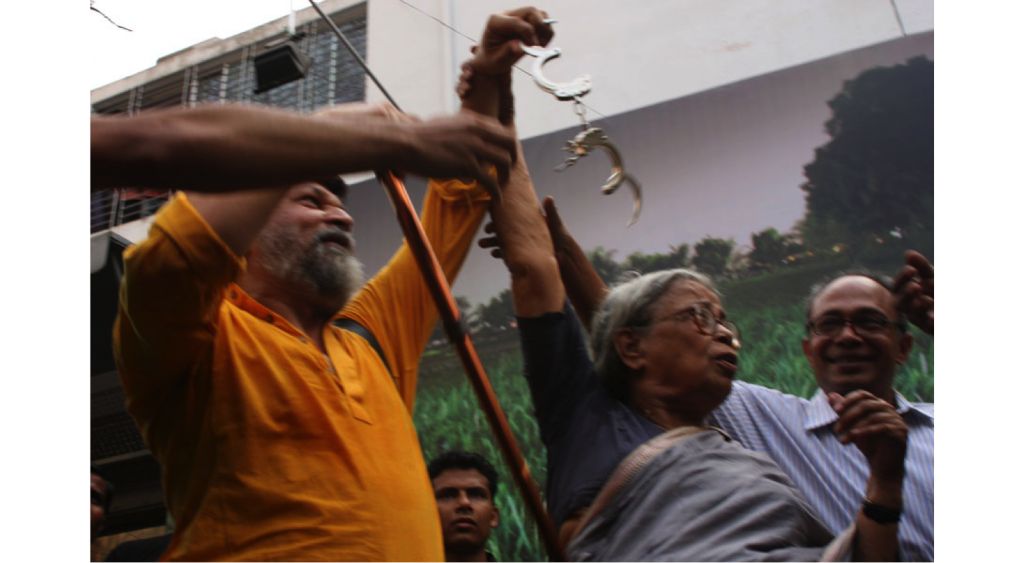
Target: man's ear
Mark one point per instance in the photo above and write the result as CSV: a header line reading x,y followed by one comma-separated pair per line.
x,y
630,347
807,353
494,517
906,342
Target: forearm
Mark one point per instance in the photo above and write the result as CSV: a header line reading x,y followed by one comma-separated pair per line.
x,y
876,541
485,95
527,248
586,289
233,147
519,223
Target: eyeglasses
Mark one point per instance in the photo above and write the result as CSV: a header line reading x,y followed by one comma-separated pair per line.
x,y
863,325
706,321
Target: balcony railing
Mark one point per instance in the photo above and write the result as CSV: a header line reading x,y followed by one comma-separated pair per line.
x,y
110,208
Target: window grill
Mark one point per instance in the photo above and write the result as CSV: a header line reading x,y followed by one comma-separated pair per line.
x,y
334,77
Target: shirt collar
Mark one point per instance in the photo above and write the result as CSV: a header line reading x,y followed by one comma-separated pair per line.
x,y
908,411
820,413
239,298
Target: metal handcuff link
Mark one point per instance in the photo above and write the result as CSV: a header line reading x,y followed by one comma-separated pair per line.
x,y
591,137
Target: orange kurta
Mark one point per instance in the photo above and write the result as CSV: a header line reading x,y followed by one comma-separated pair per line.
x,y
267,453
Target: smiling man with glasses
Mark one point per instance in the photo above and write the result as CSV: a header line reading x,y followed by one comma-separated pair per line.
x,y
855,336
856,339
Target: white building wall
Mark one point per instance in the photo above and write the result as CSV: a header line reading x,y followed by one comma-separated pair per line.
x,y
637,53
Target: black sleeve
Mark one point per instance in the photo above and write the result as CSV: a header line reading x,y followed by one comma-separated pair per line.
x,y
558,367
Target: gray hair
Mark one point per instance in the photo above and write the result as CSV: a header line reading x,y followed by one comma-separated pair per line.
x,y
881,279
630,304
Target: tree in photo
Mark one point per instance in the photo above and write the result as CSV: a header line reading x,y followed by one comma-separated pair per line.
x,y
874,179
678,257
771,249
498,314
604,263
712,255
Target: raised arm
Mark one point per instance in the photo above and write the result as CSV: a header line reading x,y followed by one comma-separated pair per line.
x,y
585,288
879,432
236,147
371,138
486,88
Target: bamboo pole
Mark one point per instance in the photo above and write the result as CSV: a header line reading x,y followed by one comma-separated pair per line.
x,y
434,277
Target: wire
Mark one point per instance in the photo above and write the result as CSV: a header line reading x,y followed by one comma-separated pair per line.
x,y
355,54
441,22
899,19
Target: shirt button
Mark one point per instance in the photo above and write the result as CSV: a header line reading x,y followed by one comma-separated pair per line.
x,y
302,340
234,294
270,318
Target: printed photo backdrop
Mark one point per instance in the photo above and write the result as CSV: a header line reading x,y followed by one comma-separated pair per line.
x,y
768,184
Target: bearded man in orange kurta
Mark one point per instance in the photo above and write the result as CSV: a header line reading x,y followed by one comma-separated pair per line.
x,y
280,435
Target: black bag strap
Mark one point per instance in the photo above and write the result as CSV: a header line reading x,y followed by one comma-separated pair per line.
x,y
353,326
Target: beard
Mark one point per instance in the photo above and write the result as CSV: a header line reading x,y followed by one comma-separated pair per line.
x,y
331,273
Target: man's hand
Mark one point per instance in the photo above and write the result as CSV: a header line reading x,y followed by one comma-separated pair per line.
x,y
485,85
878,431
914,289
499,47
460,146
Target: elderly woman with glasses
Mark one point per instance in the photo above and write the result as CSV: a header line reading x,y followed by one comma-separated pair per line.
x,y
633,471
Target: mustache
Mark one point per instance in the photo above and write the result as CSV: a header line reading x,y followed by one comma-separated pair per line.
x,y
335,234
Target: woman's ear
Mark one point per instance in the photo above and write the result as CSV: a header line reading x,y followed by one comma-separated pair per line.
x,y
630,347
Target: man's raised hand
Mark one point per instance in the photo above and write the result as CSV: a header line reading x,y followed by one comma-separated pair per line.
x,y
499,47
914,289
465,145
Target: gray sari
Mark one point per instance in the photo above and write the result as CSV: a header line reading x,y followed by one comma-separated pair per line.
x,y
696,495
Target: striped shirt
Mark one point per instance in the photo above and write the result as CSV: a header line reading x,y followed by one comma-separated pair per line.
x,y
797,434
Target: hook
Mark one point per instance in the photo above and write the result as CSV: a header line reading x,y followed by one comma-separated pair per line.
x,y
592,138
562,91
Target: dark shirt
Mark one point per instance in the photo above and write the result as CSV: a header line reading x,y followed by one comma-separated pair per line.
x,y
575,412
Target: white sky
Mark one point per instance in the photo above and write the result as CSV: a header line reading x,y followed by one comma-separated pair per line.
x,y
161,28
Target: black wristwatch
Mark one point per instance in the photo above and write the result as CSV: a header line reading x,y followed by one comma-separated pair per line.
x,y
880,514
